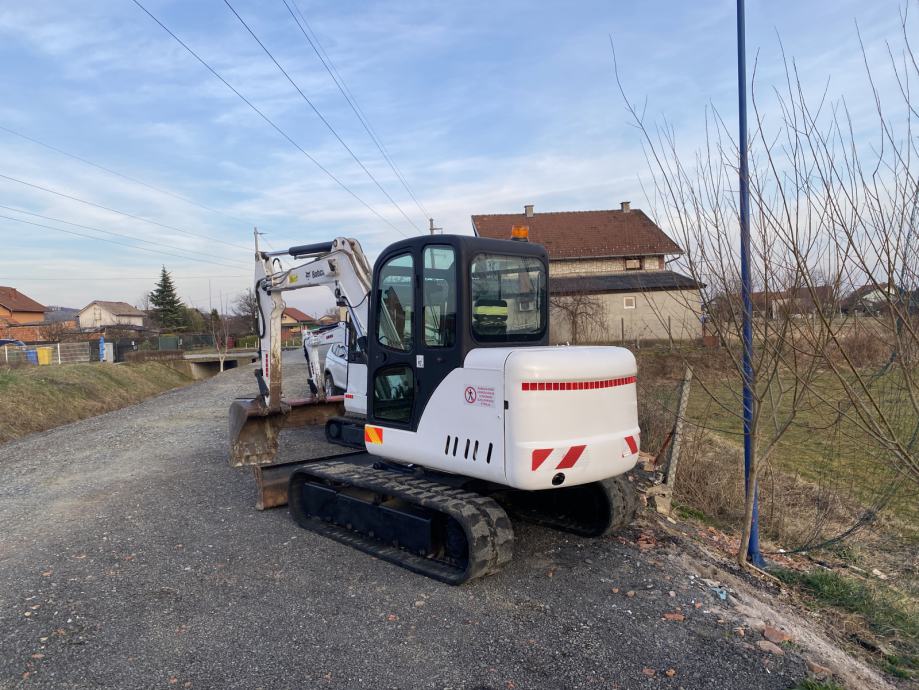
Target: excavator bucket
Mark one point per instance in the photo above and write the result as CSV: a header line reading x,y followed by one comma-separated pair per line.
x,y
254,428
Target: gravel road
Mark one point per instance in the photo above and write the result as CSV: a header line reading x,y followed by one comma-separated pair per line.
x,y
131,556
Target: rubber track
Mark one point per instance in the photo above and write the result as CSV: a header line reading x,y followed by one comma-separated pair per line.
x,y
489,534
623,502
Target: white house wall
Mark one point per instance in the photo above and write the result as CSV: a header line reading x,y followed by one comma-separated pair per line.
x,y
657,315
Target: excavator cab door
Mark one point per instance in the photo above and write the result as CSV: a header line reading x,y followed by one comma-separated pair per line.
x,y
391,366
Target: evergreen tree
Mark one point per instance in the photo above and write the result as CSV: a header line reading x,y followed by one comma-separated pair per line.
x,y
168,311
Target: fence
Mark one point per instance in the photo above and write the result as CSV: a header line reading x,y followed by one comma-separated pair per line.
x,y
88,350
55,353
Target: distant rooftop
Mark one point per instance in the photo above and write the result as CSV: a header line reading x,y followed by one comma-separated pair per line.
x,y
14,300
583,234
116,308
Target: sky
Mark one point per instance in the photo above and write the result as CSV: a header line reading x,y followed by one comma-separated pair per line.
x,y
481,106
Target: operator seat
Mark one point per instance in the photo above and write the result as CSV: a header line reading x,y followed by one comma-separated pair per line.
x,y
489,316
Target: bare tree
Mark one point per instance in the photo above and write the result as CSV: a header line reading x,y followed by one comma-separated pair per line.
x,y
245,306
583,314
829,213
53,331
219,327
852,209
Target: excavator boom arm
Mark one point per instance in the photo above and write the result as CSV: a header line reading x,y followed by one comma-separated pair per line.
x,y
342,267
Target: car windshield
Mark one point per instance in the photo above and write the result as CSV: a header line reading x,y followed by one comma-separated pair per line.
x,y
508,298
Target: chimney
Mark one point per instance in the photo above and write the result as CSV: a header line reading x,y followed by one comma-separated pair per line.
x,y
528,210
626,206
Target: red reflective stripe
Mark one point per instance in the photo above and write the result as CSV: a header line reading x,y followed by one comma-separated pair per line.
x,y
633,444
571,457
575,385
539,457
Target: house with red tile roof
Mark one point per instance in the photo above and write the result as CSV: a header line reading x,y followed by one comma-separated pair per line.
x,y
607,268
16,307
294,322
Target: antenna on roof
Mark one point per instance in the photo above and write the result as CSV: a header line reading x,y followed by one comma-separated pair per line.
x,y
432,229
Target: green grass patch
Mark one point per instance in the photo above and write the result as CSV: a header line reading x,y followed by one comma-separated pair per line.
x,y
888,614
39,398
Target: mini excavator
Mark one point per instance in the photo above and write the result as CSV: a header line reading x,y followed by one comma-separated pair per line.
x,y
459,412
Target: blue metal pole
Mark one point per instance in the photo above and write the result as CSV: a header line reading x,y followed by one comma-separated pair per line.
x,y
753,553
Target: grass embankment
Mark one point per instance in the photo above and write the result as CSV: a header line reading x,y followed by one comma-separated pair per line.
x,y
39,398
822,479
820,445
858,605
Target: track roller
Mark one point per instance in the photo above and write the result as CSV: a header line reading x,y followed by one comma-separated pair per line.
x,y
430,528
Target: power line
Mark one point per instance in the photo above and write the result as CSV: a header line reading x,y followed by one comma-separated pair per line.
x,y
321,116
120,213
269,120
346,92
123,278
103,239
111,232
119,174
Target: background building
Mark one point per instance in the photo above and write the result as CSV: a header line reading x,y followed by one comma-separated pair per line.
x,y
99,313
608,276
16,307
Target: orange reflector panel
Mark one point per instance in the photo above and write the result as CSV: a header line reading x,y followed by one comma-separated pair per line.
x,y
373,434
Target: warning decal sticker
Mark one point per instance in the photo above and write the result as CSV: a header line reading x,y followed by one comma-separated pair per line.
x,y
481,396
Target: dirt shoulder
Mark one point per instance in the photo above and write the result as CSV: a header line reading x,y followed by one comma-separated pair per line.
x,y
39,398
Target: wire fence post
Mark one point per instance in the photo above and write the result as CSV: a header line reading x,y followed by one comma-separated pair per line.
x,y
753,552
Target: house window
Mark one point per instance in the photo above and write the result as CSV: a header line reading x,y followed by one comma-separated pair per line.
x,y
628,302
633,264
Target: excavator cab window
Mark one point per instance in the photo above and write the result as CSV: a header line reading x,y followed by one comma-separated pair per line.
x,y
439,298
396,304
393,393
508,293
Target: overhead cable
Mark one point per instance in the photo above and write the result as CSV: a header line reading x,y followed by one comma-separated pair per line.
x,y
124,176
323,56
103,239
268,120
107,232
121,213
320,115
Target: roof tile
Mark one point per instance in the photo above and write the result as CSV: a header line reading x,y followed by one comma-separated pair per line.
x,y
583,234
14,300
